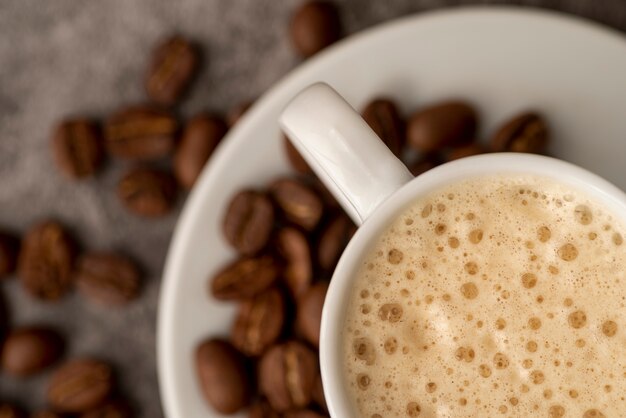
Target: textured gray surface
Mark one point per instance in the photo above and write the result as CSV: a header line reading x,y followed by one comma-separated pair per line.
x,y
64,57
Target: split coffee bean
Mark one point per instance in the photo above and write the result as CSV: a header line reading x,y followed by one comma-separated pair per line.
x,y
383,117
77,147
108,278
29,350
298,202
449,124
309,316
249,221
245,278
147,192
527,132
293,247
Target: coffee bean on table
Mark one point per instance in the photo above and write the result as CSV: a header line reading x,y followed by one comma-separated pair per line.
x,y
296,160
10,411
111,409
80,385
9,247
259,322
425,163
224,379
249,221
147,192
314,26
77,147
466,151
198,141
30,350
309,316
383,117
448,124
45,414
333,240
298,202
237,112
108,278
172,68
46,261
287,375
527,132
293,246
140,133
262,409
245,277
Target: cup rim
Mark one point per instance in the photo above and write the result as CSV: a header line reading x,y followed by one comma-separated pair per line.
x,y
331,364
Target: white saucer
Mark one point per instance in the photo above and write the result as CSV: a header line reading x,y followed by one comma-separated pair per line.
x,y
502,59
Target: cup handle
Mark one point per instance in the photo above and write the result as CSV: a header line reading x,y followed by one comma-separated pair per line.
x,y
345,153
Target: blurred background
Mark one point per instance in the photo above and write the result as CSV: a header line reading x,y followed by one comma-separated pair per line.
x,y
64,58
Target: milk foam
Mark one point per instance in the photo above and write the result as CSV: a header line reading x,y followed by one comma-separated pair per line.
x,y
498,296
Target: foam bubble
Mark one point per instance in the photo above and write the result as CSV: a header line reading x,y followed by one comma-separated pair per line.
x,y
609,328
469,290
583,214
577,319
568,252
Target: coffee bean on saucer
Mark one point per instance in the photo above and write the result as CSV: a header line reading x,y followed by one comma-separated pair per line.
x,y
318,393
9,247
198,141
174,64
298,202
448,124
333,240
262,409
425,163
293,246
147,192
8,410
140,133
77,147
46,261
249,221
223,376
108,278
527,132
287,374
259,322
237,112
303,413
111,409
80,385
45,414
466,151
314,26
296,160
245,278
383,117
309,317
30,350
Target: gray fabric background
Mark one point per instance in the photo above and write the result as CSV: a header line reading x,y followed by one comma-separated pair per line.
x,y
64,57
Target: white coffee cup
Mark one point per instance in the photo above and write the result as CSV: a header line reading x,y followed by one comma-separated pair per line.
x,y
374,187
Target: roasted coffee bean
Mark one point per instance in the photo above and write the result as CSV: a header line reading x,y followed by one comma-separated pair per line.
x,y
80,385
77,147
249,221
45,414
303,413
298,202
9,246
296,160
309,317
10,411
30,350
447,124
294,249
287,374
425,163
223,376
198,141
314,26
173,66
46,261
140,133
383,117
237,112
108,278
111,409
259,322
262,409
318,394
466,151
527,132
333,240
245,278
147,192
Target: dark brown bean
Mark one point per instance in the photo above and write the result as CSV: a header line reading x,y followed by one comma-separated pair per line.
x,y
303,413
298,202
9,247
333,240
447,124
147,192
466,151
296,160
198,141
173,66
107,278
249,221
77,147
224,380
294,248
46,261
111,409
314,26
237,112
10,411
45,414
318,393
30,350
309,317
80,385
140,133
527,132
259,322
245,278
262,409
287,374
383,117
425,163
